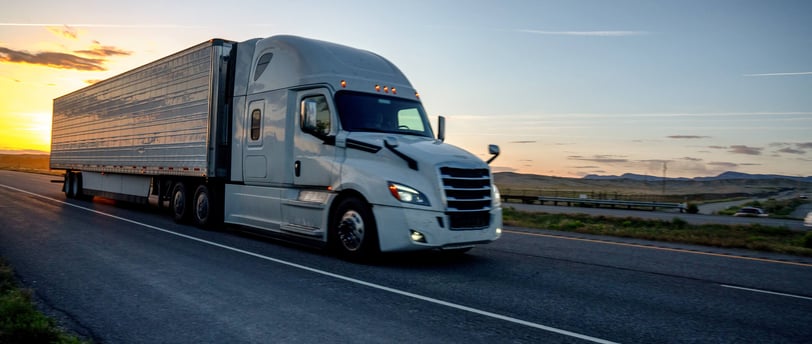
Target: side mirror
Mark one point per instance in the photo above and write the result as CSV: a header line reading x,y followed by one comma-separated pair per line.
x,y
493,150
441,128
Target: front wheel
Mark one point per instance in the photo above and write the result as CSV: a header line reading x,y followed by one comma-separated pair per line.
x,y
353,233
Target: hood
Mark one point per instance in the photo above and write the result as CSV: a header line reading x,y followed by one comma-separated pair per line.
x,y
425,151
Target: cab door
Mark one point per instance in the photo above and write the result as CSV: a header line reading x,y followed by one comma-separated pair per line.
x,y
314,162
255,164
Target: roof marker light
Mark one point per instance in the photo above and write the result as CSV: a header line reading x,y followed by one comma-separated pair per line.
x,y
343,83
386,89
378,88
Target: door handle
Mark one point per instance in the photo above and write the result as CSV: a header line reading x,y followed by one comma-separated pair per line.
x,y
297,168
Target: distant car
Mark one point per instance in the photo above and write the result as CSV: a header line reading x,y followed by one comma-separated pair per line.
x,y
751,211
808,219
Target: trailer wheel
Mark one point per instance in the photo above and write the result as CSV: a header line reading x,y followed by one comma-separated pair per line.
x,y
80,189
353,233
68,184
203,209
73,185
180,203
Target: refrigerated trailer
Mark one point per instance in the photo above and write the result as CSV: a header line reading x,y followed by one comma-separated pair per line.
x,y
296,136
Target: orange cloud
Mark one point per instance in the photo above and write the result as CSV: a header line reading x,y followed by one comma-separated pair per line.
x,y
103,51
64,31
51,59
92,59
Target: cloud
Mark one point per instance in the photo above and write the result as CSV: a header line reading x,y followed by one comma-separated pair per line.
x,y
790,150
52,59
112,26
742,149
93,59
691,159
722,164
64,31
610,33
522,141
605,159
103,51
804,145
717,147
778,74
687,137
586,167
503,169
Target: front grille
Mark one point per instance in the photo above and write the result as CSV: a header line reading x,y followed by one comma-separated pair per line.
x,y
468,195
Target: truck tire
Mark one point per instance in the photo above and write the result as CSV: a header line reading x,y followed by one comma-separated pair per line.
x,y
353,233
68,185
181,206
79,190
204,209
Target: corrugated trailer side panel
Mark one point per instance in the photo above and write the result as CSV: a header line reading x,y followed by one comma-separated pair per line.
x,y
158,119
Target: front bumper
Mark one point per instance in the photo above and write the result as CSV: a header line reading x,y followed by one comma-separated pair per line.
x,y
395,226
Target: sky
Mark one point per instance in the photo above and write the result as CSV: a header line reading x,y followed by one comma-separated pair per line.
x,y
566,88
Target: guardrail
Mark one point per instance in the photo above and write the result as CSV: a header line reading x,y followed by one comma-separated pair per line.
x,y
570,201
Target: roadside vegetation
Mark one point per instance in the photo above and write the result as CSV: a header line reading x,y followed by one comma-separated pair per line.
x,y
754,236
775,208
20,322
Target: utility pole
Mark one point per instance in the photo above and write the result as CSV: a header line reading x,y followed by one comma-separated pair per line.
x,y
665,168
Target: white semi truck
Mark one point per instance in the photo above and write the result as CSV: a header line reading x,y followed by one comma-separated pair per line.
x,y
295,136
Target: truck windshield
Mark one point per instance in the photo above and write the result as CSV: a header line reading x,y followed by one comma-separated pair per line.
x,y
381,114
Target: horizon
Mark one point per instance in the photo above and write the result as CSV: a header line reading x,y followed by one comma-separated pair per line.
x,y
568,89
41,153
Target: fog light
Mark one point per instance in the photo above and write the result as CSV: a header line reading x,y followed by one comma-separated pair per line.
x,y
418,237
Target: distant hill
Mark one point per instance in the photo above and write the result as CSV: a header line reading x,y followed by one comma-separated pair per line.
x,y
25,162
726,183
724,176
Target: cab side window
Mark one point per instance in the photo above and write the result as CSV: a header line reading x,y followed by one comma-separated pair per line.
x,y
256,124
262,65
315,116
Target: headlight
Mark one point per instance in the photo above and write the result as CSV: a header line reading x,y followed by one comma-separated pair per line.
x,y
497,197
407,194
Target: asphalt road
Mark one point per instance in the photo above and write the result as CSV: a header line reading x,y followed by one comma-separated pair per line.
x,y
127,274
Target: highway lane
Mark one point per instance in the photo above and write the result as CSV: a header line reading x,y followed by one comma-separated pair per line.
x,y
138,277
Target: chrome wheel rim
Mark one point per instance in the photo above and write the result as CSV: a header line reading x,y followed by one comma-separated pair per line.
x,y
351,230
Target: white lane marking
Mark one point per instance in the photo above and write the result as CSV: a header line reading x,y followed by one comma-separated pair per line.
x,y
337,276
766,292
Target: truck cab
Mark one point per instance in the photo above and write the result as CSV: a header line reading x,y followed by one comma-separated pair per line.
x,y
332,143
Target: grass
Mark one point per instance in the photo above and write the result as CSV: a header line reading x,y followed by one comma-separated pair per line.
x,y
753,237
20,322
